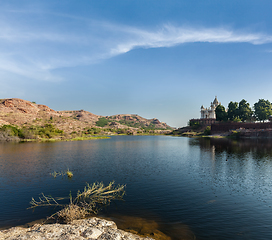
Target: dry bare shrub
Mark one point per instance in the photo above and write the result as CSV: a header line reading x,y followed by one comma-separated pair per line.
x,y
71,212
87,202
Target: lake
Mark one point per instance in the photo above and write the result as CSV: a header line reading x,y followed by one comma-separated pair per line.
x,y
187,188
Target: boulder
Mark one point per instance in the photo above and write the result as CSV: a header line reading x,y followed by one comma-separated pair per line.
x,y
92,228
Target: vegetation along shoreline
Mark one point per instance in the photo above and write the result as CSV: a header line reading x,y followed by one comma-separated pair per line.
x,y
239,120
22,120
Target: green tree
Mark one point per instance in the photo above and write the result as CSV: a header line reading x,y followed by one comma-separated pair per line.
x,y
262,109
221,114
244,110
232,110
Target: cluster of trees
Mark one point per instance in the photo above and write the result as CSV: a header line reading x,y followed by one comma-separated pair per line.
x,y
242,111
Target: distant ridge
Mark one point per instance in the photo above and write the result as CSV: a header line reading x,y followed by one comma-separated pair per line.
x,y
22,113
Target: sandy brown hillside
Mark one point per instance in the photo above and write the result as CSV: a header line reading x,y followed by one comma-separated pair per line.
x,y
23,113
133,120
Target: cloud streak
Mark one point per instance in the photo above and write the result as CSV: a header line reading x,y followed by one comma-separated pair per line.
x,y
169,36
35,52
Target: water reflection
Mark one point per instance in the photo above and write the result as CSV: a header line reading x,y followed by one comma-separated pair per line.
x,y
184,188
243,166
259,148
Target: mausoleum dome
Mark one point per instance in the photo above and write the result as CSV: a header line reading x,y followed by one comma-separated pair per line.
x,y
215,101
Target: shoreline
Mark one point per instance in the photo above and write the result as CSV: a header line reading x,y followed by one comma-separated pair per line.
x,y
241,133
91,228
19,140
136,228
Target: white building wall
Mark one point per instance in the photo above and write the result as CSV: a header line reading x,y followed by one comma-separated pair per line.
x,y
209,112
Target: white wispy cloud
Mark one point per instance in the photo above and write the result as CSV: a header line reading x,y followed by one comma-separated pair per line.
x,y
34,51
169,36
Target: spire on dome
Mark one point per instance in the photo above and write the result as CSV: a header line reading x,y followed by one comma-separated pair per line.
x,y
215,101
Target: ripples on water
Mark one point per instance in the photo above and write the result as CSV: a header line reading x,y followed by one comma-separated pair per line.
x,y
184,188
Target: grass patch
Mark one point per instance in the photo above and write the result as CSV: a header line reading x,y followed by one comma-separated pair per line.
x,y
63,139
69,173
191,134
86,138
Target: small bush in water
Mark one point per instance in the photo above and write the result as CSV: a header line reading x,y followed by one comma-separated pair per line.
x,y
87,202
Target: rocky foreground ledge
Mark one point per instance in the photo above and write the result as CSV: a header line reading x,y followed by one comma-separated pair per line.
x,y
92,228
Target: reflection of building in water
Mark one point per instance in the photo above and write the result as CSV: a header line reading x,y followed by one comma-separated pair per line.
x,y
205,147
210,112
213,152
259,148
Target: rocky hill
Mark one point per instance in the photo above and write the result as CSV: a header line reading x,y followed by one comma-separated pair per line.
x,y
36,117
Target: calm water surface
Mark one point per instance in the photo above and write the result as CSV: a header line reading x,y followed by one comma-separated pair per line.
x,y
192,188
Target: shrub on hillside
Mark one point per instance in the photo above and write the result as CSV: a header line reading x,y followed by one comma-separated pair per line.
x,y
47,131
93,131
194,125
207,131
12,131
102,122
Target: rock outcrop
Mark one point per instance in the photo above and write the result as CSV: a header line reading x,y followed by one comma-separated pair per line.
x,y
92,228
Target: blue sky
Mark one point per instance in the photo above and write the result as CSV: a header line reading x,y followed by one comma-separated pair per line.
x,y
157,59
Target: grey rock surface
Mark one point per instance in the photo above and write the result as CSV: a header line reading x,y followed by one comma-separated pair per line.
x,y
92,228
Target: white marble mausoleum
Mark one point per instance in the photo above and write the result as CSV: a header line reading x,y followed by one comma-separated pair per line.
x,y
210,112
